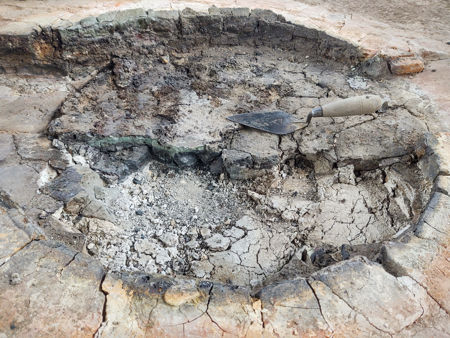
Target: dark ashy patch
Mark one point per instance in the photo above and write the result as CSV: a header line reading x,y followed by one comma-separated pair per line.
x,y
66,186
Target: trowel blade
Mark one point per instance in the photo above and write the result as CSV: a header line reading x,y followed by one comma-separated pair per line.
x,y
275,122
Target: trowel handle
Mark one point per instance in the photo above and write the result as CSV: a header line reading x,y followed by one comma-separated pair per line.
x,y
357,105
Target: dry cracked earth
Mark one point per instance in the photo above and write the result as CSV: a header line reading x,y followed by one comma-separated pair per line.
x,y
134,207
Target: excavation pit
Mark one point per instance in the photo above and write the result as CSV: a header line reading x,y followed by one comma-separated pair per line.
x,y
181,190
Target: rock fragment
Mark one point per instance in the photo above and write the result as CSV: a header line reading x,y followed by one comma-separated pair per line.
x,y
406,65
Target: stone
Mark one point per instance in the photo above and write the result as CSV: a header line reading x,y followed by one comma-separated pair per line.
x,y
193,23
121,163
375,67
289,215
266,14
304,32
165,14
77,203
136,304
239,23
240,11
357,82
278,33
192,244
140,299
20,219
322,166
119,307
205,232
217,242
162,256
202,269
406,65
58,144
219,11
186,159
298,266
316,143
90,180
98,226
434,318
65,186
280,203
428,164
137,180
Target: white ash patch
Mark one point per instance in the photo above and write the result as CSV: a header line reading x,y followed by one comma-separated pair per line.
x,y
186,222
190,222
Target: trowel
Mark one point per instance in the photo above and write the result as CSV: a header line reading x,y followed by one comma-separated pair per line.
x,y
281,123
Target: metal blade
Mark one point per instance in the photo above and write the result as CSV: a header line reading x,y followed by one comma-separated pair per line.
x,y
275,122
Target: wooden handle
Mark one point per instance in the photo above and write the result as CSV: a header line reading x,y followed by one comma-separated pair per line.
x,y
357,105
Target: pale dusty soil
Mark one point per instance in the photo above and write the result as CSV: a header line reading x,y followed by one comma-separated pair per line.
x,y
431,17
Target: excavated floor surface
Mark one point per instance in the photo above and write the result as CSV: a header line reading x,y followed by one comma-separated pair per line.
x,y
340,229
